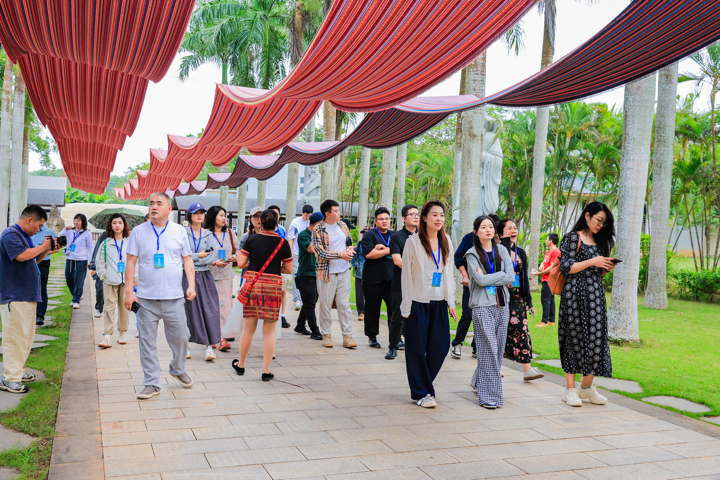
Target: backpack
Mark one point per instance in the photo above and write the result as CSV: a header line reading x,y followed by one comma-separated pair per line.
x,y
556,280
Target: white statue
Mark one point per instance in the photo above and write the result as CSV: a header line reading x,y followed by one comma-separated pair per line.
x,y
312,187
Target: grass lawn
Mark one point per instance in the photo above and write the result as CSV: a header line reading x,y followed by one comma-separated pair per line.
x,y
36,413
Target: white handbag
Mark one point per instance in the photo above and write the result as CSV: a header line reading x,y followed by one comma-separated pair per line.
x,y
235,321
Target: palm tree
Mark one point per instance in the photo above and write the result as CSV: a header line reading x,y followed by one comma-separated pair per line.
x,y
638,106
18,131
5,138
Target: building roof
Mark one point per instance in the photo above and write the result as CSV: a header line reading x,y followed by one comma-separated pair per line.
x,y
46,197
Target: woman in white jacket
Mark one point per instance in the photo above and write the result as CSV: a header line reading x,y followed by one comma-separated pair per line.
x,y
428,291
110,264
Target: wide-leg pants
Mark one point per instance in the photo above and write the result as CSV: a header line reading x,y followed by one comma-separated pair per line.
x,y
75,271
18,325
44,267
427,343
490,329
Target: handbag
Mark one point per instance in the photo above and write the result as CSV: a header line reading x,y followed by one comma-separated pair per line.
x,y
232,244
244,293
556,280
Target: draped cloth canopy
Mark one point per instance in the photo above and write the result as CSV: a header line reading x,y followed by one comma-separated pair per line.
x,y
648,35
87,66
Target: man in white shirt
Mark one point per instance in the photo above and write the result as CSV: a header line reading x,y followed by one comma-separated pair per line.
x,y
333,249
296,226
161,251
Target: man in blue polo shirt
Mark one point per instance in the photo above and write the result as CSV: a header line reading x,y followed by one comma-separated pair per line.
x,y
20,294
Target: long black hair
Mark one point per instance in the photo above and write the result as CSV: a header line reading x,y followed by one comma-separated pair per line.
x,y
443,244
605,238
480,250
211,218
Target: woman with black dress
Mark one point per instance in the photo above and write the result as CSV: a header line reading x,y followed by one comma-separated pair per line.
x,y
582,322
518,345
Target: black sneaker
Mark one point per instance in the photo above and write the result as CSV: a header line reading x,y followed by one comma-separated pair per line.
x,y
13,387
302,331
285,323
40,321
391,354
401,345
316,336
373,342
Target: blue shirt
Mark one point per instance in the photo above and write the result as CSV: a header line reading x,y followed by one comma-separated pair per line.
x,y
281,231
19,281
39,237
465,245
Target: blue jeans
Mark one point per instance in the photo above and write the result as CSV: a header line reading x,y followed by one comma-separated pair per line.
x,y
75,271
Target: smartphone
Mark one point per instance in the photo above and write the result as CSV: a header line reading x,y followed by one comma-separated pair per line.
x,y
209,249
135,307
616,261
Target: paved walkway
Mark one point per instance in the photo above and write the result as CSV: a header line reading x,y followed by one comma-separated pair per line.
x,y
346,414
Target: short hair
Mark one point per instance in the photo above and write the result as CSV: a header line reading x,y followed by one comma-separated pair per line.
x,y
147,215
554,238
274,207
211,218
269,220
380,211
35,211
327,206
108,226
308,209
188,216
83,220
495,218
161,194
406,209
500,229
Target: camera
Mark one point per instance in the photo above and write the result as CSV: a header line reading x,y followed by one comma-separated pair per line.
x,y
57,242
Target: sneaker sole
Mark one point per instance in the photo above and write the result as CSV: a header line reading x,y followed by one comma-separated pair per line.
x,y
145,397
594,403
570,405
186,385
104,346
489,407
350,346
121,343
535,377
28,380
455,356
428,406
328,346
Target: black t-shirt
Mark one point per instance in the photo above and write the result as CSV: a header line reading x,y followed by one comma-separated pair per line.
x,y
260,246
397,245
379,269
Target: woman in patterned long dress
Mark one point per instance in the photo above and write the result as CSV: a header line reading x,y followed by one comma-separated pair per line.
x,y
225,243
518,345
582,325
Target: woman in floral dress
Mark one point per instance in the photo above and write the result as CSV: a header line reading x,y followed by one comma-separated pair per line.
x,y
518,345
582,322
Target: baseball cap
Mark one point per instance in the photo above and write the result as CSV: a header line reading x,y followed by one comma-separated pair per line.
x,y
348,223
195,207
316,217
255,210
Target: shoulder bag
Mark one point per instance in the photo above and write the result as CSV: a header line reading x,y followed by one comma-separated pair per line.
x,y
556,280
246,290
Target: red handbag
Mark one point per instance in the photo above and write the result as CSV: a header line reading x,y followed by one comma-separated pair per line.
x,y
244,293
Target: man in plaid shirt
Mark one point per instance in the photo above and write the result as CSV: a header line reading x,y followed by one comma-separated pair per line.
x,y
334,249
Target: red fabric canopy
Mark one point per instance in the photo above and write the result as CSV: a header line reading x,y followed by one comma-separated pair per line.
x,y
87,66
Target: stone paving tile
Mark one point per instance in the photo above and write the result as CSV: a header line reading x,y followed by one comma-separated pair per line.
x,y
182,423
695,450
545,476
370,433
252,472
628,456
319,425
257,429
137,438
629,440
129,415
572,445
288,440
199,446
577,431
694,466
409,444
128,452
351,449
314,467
555,463
473,470
116,468
404,474
252,457
489,452
644,471
504,436
406,460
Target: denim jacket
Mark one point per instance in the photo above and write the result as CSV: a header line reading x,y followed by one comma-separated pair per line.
x,y
358,262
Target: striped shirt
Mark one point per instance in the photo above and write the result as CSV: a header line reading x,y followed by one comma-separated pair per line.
x,y
321,242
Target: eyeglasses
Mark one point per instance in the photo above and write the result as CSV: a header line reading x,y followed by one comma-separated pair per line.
x,y
602,223
257,215
414,215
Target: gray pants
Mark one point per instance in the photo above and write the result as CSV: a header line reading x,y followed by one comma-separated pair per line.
x,y
172,312
295,289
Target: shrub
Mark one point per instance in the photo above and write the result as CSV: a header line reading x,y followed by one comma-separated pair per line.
x,y
697,285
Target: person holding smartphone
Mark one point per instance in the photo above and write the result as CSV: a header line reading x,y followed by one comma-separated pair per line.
x,y
518,345
582,321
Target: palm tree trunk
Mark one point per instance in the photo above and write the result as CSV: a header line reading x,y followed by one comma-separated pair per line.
x,y
5,135
473,123
241,207
25,162
656,293
261,193
389,162
457,164
364,187
638,110
293,176
402,173
326,169
224,190
18,120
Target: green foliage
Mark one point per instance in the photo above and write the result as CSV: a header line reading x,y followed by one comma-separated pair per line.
x,y
698,285
644,265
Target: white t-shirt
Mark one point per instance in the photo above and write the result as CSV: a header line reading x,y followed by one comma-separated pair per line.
x,y
159,283
337,244
296,226
436,293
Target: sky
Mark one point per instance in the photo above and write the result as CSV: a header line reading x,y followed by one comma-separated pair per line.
x,y
183,108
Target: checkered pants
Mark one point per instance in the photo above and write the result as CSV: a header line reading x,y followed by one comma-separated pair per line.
x,y
490,329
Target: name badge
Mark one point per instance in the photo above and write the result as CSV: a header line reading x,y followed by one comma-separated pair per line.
x,y
491,290
159,260
516,282
121,267
72,247
221,254
388,256
436,279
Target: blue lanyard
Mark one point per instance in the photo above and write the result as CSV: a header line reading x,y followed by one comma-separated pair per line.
x,y
197,247
158,234
30,245
491,263
218,240
515,259
75,236
437,262
119,250
387,244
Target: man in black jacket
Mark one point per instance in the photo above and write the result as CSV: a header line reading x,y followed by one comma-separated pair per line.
x,y
99,299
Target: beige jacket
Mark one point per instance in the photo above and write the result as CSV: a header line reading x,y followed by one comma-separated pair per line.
x,y
414,285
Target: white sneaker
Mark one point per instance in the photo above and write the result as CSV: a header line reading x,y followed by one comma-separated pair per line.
x,y
137,334
75,305
298,305
98,313
571,397
209,355
188,356
592,395
106,343
533,374
121,339
427,402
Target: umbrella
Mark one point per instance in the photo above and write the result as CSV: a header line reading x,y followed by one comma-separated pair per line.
x,y
133,217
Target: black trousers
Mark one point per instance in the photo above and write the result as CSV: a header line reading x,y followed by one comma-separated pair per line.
x,y
44,267
309,296
465,320
548,303
427,335
375,294
395,322
99,299
359,296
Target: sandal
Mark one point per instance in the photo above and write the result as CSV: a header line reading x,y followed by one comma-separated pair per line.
x,y
224,345
238,370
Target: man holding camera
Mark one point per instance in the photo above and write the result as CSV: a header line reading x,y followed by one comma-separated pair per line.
x,y
20,293
160,249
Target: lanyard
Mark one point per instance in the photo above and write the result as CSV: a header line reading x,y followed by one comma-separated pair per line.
x,y
218,240
197,246
119,250
515,259
158,234
30,245
491,263
75,235
387,244
437,262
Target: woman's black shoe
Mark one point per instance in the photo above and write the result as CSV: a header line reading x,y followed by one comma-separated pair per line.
x,y
231,339
238,370
266,377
